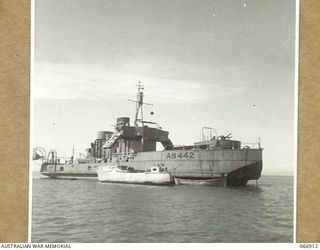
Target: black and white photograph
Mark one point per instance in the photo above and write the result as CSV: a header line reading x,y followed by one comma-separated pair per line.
x,y
163,121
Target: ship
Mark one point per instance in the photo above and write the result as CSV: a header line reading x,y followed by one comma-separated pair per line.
x,y
217,158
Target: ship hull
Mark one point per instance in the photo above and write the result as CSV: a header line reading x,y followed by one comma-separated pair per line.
x,y
236,166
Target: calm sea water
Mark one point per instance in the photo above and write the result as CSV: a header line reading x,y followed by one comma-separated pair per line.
x,y
90,211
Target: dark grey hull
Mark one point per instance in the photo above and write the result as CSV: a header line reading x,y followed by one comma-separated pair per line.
x,y
241,176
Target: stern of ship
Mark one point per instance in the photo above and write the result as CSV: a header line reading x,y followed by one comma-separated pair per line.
x,y
241,176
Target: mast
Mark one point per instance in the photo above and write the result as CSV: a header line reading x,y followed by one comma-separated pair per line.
x,y
139,108
72,157
139,105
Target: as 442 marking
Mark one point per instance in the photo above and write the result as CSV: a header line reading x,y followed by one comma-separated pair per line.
x,y
181,155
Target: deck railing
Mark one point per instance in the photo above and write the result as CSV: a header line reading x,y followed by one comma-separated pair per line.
x,y
251,145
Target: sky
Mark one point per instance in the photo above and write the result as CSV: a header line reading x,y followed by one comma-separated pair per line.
x,y
223,64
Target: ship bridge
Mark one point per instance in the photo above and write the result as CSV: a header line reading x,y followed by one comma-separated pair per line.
x,y
132,139
128,140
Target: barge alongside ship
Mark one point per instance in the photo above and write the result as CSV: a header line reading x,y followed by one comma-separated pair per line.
x,y
217,158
